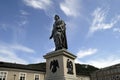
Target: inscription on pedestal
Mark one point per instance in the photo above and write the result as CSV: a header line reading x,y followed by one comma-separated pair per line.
x,y
54,65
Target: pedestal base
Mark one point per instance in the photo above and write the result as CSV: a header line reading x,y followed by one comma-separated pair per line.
x,y
60,65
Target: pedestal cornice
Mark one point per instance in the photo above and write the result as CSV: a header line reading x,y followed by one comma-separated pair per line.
x,y
59,52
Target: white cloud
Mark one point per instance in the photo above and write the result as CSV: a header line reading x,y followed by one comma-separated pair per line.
x,y
23,12
83,53
23,18
108,61
71,7
100,61
46,5
100,19
38,60
19,31
38,4
116,30
79,61
23,22
22,48
8,53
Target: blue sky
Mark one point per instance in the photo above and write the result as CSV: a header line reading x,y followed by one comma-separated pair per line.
x,y
93,30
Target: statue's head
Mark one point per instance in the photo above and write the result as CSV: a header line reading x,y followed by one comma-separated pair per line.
x,y
56,17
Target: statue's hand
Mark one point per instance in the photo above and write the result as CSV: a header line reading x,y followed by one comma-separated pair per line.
x,y
50,37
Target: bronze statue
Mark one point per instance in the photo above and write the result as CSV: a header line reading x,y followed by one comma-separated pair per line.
x,y
54,65
69,66
59,33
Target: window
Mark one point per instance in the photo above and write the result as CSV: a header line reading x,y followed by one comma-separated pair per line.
x,y
22,76
3,75
118,70
36,77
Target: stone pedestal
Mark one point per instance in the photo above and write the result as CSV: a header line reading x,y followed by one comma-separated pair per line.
x,y
60,65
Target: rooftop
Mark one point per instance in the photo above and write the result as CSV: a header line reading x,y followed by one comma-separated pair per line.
x,y
81,69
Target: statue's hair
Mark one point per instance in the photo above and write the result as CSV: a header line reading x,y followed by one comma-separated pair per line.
x,y
57,16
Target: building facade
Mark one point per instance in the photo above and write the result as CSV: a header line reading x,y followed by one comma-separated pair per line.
x,y
108,73
10,71
20,74
83,77
13,71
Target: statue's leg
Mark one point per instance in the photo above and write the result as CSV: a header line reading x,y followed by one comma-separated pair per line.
x,y
57,42
63,40
56,45
60,42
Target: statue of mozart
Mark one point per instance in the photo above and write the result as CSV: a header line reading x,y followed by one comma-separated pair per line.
x,y
59,34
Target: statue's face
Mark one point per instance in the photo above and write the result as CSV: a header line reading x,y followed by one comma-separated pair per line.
x,y
56,17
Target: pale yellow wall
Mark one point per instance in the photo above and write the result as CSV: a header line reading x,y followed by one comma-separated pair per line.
x,y
83,77
29,74
42,76
11,74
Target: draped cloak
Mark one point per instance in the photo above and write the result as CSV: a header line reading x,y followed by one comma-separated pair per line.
x,y
60,26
